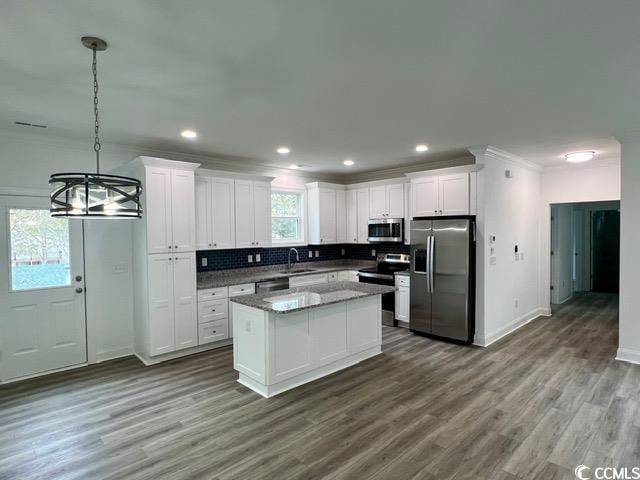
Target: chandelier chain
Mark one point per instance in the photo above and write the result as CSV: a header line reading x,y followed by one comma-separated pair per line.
x,y
96,141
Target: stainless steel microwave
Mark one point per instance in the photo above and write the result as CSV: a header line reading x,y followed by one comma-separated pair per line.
x,y
386,230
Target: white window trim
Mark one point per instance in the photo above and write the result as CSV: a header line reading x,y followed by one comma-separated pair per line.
x,y
303,217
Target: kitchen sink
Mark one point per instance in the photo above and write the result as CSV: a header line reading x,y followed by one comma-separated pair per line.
x,y
297,270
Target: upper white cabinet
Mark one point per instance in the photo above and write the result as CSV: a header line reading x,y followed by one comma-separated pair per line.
x,y
341,216
252,214
440,195
351,216
363,215
322,213
215,213
169,222
386,201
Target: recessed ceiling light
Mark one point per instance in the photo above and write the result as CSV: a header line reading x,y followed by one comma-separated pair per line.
x,y
293,166
189,134
348,162
422,148
577,157
283,150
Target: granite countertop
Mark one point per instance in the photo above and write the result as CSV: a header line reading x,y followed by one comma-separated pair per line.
x,y
311,296
224,278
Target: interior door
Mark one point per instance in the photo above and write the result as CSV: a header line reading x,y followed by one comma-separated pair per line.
x,y
450,279
42,299
420,292
183,211
606,251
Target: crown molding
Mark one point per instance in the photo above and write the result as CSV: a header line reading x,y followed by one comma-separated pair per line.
x,y
495,152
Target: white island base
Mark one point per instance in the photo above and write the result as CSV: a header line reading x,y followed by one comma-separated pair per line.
x,y
275,352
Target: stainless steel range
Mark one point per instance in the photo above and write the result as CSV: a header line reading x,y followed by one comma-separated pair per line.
x,y
383,274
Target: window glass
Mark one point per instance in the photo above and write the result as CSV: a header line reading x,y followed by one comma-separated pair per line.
x,y
39,249
286,213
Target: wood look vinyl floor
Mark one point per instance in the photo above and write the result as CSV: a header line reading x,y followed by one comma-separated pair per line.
x,y
534,405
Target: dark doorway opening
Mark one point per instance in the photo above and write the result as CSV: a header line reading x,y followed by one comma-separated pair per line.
x,y
606,251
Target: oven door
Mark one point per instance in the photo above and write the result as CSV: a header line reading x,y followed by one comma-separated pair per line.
x,y
388,299
386,230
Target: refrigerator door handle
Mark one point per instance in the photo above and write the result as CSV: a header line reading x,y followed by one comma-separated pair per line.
x,y
432,247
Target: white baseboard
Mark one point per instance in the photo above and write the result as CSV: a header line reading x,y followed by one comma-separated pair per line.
x,y
486,340
628,355
113,354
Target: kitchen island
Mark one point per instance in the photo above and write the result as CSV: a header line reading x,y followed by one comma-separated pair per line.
x,y
286,338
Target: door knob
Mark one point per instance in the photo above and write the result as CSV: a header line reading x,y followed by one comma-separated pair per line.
x,y
78,278
78,290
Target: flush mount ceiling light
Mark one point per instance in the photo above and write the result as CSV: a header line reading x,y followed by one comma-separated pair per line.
x,y
348,162
95,195
189,134
422,148
578,157
293,166
283,150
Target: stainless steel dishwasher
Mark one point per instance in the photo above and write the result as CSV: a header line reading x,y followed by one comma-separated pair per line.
x,y
272,285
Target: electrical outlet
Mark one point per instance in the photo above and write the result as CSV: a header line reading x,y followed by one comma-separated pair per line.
x,y
310,253
317,253
516,304
493,260
342,252
203,261
257,257
373,253
250,258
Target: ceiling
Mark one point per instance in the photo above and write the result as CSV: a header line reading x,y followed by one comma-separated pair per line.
x,y
365,79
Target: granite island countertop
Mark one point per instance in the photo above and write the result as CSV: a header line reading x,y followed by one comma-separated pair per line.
x,y
237,276
311,296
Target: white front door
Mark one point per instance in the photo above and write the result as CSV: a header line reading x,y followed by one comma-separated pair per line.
x,y
42,299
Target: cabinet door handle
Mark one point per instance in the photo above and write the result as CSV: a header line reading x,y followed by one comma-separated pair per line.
x,y
215,244
176,246
169,247
213,310
209,244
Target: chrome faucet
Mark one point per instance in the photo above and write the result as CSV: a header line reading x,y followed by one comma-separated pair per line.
x,y
289,260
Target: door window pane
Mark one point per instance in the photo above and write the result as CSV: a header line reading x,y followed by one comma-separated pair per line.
x,y
39,247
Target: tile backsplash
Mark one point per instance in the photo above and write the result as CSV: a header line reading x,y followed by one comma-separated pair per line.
x,y
239,258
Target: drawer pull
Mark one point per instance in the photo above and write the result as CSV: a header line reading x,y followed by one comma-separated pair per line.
x,y
213,309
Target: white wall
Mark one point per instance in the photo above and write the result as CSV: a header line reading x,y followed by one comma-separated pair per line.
x,y
587,183
629,346
507,291
562,247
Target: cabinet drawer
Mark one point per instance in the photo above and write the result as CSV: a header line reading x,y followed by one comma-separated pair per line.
x,y
213,331
244,289
402,281
211,293
308,280
213,310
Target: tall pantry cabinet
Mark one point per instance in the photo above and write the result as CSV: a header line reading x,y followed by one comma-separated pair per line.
x,y
164,259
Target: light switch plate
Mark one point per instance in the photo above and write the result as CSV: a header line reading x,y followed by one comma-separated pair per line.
x,y
250,258
342,252
203,261
310,253
257,257
373,253
317,253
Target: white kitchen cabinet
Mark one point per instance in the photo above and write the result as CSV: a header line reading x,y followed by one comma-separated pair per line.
x,y
322,214
302,280
454,194
402,298
172,320
440,195
352,216
348,276
341,216
185,300
215,213
363,215
252,214
407,214
161,314
386,201
169,209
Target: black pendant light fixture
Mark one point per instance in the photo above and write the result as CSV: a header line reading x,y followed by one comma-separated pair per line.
x,y
95,195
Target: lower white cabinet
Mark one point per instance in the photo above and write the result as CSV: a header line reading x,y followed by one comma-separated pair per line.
x,y
348,276
403,298
213,331
172,298
215,311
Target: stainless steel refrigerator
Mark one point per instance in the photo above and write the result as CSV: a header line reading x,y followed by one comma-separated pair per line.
x,y
443,277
